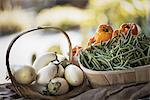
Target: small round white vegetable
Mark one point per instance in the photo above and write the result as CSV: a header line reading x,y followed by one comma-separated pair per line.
x,y
61,71
58,86
61,57
74,75
44,60
47,73
25,74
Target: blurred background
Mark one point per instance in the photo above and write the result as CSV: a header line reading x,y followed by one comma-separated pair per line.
x,y
79,18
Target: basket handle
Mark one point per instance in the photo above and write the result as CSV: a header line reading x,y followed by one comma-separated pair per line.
x,y
23,33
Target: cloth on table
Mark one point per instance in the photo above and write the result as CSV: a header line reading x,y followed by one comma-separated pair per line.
x,y
133,91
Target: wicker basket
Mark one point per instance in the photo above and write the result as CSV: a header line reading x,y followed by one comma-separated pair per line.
x,y
26,90
139,74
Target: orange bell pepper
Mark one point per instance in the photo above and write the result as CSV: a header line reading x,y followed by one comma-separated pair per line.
x,y
103,34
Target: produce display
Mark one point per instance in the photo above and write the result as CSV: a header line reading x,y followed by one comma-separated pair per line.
x,y
51,73
119,49
54,76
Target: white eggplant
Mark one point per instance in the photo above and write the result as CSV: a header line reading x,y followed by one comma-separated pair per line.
x,y
47,73
25,74
58,86
61,71
61,57
44,60
74,75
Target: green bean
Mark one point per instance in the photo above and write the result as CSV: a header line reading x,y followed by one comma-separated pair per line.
x,y
114,49
128,34
109,43
103,61
103,56
85,60
97,63
148,54
125,62
134,41
129,55
134,61
106,62
88,55
122,52
122,49
99,50
129,41
94,65
109,64
141,51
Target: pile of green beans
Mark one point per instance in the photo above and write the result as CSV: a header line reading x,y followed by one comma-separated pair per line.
x,y
121,52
